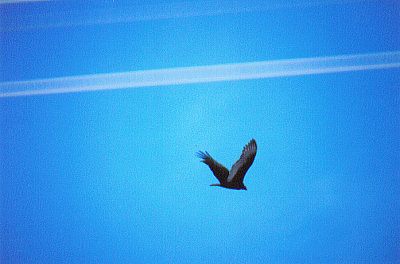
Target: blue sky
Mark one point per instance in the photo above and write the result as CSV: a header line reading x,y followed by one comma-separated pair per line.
x,y
112,176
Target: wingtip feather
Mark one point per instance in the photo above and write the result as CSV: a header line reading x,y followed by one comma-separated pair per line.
x,y
202,155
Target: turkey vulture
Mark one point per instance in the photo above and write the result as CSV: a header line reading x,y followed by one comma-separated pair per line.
x,y
232,179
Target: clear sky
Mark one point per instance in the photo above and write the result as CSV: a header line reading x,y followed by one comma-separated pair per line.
x,y
112,176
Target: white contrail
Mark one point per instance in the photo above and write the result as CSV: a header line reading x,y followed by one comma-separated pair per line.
x,y
202,74
2,2
133,12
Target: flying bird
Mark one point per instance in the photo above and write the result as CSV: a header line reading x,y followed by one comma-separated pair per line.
x,y
232,179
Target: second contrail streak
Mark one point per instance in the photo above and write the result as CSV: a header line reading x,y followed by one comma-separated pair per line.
x,y
202,74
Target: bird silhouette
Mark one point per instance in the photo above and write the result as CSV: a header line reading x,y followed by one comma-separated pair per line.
x,y
232,179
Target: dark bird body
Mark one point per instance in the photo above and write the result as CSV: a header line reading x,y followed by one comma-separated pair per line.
x,y
232,179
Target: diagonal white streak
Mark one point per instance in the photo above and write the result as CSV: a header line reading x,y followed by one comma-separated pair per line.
x,y
202,74
133,12
2,2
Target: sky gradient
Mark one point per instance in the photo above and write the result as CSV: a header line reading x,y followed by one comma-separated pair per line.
x,y
111,176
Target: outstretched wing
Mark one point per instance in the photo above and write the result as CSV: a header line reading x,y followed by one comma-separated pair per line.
x,y
241,166
219,170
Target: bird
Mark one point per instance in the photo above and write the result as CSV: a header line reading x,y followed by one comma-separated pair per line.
x,y
232,179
